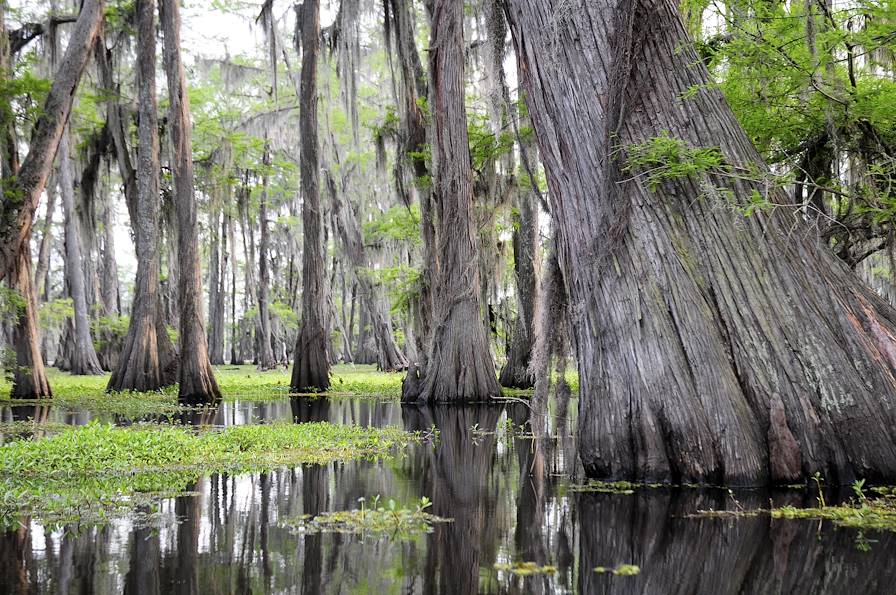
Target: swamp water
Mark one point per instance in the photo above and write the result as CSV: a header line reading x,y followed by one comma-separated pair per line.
x,y
510,499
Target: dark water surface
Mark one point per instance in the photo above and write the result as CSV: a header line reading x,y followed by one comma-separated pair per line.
x,y
509,500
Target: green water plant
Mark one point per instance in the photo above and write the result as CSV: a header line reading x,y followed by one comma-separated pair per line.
x,y
96,470
525,568
392,520
619,570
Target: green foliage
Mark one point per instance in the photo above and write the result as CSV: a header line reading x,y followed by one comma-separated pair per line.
x,y
664,158
103,469
398,224
288,317
485,145
392,520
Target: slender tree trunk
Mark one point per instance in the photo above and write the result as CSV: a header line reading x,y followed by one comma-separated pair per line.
x,y
266,359
235,357
145,362
221,318
17,212
83,359
413,137
197,381
388,356
516,371
110,287
42,271
711,347
217,272
459,366
312,367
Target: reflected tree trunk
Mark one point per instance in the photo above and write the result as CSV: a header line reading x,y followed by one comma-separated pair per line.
x,y
461,488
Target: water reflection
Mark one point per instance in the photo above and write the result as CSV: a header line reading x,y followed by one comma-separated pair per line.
x,y
505,492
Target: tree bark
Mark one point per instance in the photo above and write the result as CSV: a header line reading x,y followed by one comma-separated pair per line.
x,y
235,357
711,347
197,383
30,376
312,367
110,287
146,361
215,295
516,371
82,359
266,359
42,271
413,149
17,210
459,366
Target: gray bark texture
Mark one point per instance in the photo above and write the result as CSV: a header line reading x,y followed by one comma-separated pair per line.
x,y
196,380
216,289
266,359
82,359
147,360
459,366
312,367
18,207
711,347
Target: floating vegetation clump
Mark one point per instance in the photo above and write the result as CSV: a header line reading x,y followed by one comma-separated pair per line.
x,y
525,568
98,469
612,487
620,570
860,513
392,520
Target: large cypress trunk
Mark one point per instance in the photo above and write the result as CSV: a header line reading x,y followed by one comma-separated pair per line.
x,y
459,366
17,216
197,383
30,377
146,361
82,359
711,347
312,368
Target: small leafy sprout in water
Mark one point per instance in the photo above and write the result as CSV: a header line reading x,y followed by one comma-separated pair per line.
x,y
525,568
620,570
818,479
857,487
392,520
